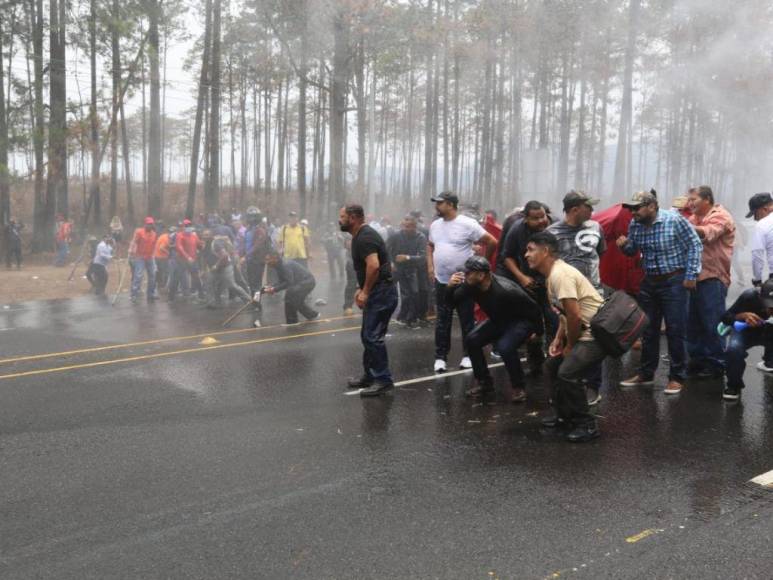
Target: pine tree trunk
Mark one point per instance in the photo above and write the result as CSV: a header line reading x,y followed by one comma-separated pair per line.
x,y
57,132
212,190
43,218
302,89
155,195
341,59
94,193
200,100
5,197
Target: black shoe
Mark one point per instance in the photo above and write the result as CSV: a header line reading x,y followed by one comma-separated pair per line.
x,y
731,394
583,433
480,389
552,421
361,383
376,389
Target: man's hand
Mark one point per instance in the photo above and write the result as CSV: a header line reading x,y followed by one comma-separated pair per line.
x,y
689,284
431,275
621,241
400,258
269,290
361,299
556,347
750,318
527,282
456,279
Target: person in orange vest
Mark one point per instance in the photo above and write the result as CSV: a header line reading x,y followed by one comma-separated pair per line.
x,y
63,235
141,251
161,256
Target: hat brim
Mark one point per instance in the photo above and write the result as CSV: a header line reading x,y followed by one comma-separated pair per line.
x,y
632,205
437,199
751,213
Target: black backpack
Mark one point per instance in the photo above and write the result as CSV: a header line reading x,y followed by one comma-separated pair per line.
x,y
618,324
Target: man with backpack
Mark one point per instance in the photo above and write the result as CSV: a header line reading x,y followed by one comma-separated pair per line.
x,y
573,352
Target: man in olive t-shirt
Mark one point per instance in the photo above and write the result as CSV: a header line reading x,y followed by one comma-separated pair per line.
x,y
573,351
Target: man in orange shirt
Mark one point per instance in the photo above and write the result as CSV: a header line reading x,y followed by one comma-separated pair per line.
x,y
161,256
141,252
186,247
716,229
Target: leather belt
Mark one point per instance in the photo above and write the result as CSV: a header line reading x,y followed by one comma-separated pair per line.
x,y
662,277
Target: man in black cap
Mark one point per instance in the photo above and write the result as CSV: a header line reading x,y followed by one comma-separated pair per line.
x,y
761,207
408,250
450,244
513,316
753,308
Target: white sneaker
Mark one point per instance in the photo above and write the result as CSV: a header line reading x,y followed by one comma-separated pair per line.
x,y
465,363
765,369
440,365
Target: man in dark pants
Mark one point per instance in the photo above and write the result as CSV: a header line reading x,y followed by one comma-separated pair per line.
x,y
377,297
513,316
256,244
514,266
450,244
408,249
297,282
13,244
753,307
671,260
573,352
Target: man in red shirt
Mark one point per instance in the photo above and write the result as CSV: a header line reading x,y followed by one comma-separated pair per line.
x,y
63,234
141,252
186,247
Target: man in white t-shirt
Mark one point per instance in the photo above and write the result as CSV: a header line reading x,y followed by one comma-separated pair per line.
x,y
450,244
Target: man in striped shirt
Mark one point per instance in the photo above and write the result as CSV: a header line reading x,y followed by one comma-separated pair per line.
x,y
671,259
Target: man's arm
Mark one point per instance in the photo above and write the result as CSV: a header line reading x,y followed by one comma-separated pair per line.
x,y
510,251
490,244
430,261
693,246
573,321
758,254
714,227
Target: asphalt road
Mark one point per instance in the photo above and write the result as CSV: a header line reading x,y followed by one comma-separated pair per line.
x,y
129,449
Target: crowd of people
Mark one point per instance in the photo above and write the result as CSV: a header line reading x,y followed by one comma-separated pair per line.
x,y
536,283
539,283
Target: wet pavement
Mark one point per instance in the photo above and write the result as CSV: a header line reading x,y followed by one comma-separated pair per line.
x,y
129,449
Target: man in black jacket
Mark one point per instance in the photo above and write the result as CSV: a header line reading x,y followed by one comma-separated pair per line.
x,y
408,249
297,282
513,316
753,308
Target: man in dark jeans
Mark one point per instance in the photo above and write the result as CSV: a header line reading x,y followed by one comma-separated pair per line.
x,y
377,297
752,308
408,250
671,259
297,282
513,316
451,239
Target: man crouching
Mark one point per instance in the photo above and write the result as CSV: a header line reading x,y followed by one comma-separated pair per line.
x,y
513,316
573,352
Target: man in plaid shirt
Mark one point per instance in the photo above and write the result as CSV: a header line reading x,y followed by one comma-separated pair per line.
x,y
671,259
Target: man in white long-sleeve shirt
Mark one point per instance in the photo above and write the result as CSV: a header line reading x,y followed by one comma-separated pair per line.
x,y
97,273
761,208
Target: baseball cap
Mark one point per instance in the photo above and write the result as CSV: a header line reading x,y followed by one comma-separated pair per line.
x,y
293,213
757,201
149,221
766,293
575,198
446,196
477,264
186,222
640,198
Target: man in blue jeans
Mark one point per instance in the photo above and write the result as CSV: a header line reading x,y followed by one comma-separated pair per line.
x,y
671,259
753,308
716,229
513,316
376,296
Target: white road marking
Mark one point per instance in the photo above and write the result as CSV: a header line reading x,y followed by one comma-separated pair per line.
x,y
431,377
765,480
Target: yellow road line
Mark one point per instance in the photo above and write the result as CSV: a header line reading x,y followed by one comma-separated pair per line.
x,y
172,353
641,535
153,341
